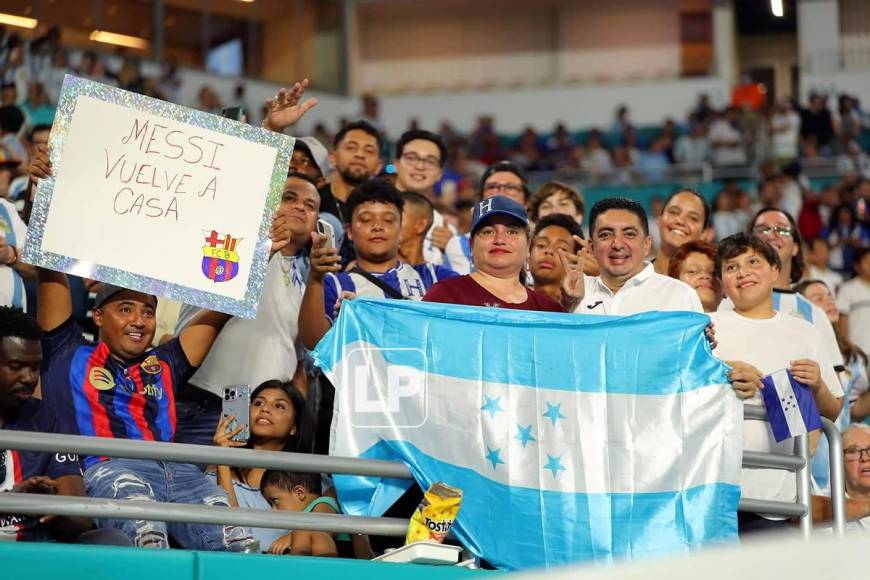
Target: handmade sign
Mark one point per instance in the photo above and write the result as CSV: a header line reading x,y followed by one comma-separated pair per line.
x,y
158,198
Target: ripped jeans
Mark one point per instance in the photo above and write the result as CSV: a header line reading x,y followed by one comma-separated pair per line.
x,y
145,480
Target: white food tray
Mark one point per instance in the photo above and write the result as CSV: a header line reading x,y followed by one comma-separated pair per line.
x,y
430,553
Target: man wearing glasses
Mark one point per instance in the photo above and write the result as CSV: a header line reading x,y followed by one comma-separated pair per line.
x,y
856,452
420,159
502,178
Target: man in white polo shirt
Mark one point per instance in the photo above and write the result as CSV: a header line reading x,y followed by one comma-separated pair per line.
x,y
626,284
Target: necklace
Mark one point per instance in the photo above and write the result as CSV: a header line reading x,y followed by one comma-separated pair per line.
x,y
288,279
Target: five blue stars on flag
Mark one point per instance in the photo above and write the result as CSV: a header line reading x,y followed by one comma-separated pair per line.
x,y
492,405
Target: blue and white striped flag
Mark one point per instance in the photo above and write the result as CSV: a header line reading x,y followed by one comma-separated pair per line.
x,y
572,437
791,408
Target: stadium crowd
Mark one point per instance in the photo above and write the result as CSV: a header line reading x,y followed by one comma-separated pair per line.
x,y
784,275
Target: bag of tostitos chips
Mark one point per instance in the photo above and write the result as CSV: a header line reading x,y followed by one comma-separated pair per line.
x,y
437,512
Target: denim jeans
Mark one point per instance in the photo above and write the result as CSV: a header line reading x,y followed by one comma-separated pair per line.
x,y
196,421
145,480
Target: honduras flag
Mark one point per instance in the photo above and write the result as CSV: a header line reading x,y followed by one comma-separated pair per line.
x,y
572,437
791,408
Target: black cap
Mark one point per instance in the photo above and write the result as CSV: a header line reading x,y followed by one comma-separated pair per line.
x,y
107,290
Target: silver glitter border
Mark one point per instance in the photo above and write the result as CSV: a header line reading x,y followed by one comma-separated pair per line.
x,y
74,87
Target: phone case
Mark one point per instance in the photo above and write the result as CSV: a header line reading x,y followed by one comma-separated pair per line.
x,y
326,229
237,401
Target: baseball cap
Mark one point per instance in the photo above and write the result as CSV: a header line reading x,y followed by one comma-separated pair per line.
x,y
497,205
317,152
106,291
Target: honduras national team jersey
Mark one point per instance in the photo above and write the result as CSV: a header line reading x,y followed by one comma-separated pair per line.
x,y
457,255
95,394
16,466
411,281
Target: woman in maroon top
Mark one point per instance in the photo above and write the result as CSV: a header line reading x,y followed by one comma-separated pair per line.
x,y
500,248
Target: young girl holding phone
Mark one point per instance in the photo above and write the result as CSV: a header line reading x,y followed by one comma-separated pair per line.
x,y
278,421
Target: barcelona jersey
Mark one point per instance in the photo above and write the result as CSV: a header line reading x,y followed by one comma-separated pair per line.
x,y
16,466
96,394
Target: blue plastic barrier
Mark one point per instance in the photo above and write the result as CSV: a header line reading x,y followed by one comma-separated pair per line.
x,y
36,561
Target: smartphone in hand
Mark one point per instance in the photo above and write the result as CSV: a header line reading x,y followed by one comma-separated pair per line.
x,y
235,113
325,228
237,402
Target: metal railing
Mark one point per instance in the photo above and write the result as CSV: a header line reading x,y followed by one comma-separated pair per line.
x,y
799,462
28,504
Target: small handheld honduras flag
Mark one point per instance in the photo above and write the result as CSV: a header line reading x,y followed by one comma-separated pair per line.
x,y
572,437
791,408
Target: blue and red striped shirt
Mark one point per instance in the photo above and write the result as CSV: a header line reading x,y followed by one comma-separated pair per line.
x,y
16,466
97,394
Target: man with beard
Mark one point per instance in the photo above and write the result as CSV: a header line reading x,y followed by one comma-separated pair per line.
x,y
30,471
356,158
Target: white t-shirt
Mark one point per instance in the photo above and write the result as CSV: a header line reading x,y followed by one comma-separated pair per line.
x,y
12,230
853,300
769,345
646,291
250,352
795,305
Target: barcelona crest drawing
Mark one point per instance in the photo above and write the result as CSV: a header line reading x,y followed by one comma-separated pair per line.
x,y
220,262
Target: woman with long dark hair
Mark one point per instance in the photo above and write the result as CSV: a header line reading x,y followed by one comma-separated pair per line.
x,y
279,421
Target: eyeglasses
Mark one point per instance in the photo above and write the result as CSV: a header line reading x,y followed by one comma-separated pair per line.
x,y
512,187
781,231
856,453
429,162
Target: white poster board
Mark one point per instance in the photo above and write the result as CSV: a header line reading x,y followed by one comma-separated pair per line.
x,y
158,198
